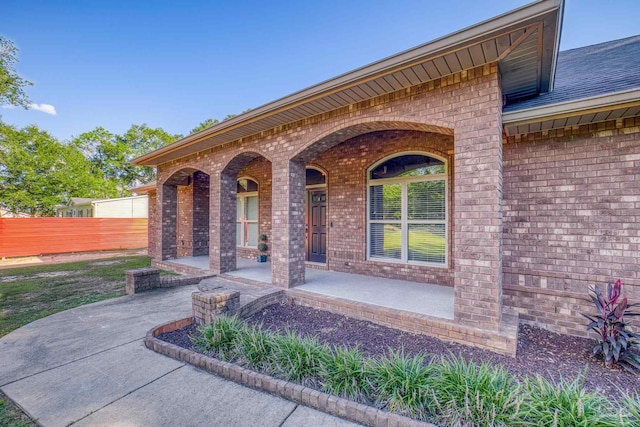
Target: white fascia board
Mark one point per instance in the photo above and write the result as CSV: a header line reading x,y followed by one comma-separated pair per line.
x,y
534,114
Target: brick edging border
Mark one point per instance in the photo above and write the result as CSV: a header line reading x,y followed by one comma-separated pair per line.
x,y
315,399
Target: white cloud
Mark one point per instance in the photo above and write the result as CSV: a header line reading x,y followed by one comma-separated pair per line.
x,y
45,108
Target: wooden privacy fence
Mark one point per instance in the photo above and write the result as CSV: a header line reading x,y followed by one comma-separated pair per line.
x,y
38,236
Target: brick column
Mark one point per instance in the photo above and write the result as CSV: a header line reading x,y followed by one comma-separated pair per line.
x,y
184,225
153,218
288,240
222,222
478,209
168,210
200,214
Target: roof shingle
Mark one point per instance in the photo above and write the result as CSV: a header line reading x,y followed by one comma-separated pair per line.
x,y
584,72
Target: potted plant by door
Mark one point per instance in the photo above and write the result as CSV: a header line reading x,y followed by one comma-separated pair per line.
x,y
262,247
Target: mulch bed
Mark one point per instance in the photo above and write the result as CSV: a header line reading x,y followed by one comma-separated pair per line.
x,y
539,351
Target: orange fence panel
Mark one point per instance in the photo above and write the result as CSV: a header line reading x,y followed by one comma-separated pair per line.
x,y
38,236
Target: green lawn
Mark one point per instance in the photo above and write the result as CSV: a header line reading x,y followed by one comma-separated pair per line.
x,y
31,293
423,245
12,416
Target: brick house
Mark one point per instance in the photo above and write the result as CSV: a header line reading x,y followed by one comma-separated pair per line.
x,y
485,160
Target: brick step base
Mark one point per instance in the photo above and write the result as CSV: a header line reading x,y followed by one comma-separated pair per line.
x,y
503,341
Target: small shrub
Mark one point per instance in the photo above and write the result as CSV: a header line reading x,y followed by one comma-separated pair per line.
x,y
401,383
342,373
256,346
550,403
219,337
468,394
298,358
614,342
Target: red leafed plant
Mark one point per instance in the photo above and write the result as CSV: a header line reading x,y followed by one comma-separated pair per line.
x,y
615,342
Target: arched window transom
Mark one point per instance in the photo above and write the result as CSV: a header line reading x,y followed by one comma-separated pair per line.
x,y
315,177
407,210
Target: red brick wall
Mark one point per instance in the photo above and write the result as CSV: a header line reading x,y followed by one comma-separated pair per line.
x,y
571,219
467,104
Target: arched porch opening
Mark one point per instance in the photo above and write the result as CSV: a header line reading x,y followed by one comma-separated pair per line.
x,y
344,155
185,214
241,200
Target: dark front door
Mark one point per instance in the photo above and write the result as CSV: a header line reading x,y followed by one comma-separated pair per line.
x,y
317,226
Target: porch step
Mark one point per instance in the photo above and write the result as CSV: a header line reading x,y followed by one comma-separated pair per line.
x,y
503,341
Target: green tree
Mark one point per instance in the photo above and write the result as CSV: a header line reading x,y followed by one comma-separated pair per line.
x,y
139,140
206,124
111,154
210,122
37,172
11,84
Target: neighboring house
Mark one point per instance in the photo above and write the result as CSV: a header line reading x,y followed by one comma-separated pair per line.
x,y
5,213
484,160
76,207
124,207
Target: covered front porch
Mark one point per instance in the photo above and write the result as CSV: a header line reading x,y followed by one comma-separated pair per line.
x,y
420,298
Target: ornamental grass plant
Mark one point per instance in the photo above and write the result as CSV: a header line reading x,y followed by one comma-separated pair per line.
x,y
342,374
468,394
298,359
255,346
564,403
401,383
220,337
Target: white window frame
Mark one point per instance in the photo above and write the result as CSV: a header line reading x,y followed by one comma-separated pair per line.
x,y
242,200
404,222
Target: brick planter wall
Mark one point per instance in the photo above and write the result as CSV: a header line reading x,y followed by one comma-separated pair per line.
x,y
141,280
209,305
145,279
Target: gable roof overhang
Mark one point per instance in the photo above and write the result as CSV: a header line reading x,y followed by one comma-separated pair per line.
x,y
524,43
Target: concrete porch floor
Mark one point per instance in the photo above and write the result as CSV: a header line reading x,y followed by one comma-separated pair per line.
x,y
431,300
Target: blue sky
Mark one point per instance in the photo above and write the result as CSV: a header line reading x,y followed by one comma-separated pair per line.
x,y
172,64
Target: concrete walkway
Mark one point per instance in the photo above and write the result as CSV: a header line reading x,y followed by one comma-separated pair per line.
x,y
89,366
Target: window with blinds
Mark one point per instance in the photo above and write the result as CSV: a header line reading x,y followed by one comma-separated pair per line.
x,y
407,210
247,213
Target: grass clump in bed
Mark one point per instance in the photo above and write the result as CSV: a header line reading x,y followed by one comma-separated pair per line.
x,y
402,383
563,403
631,409
449,392
343,374
468,394
255,345
220,337
297,358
